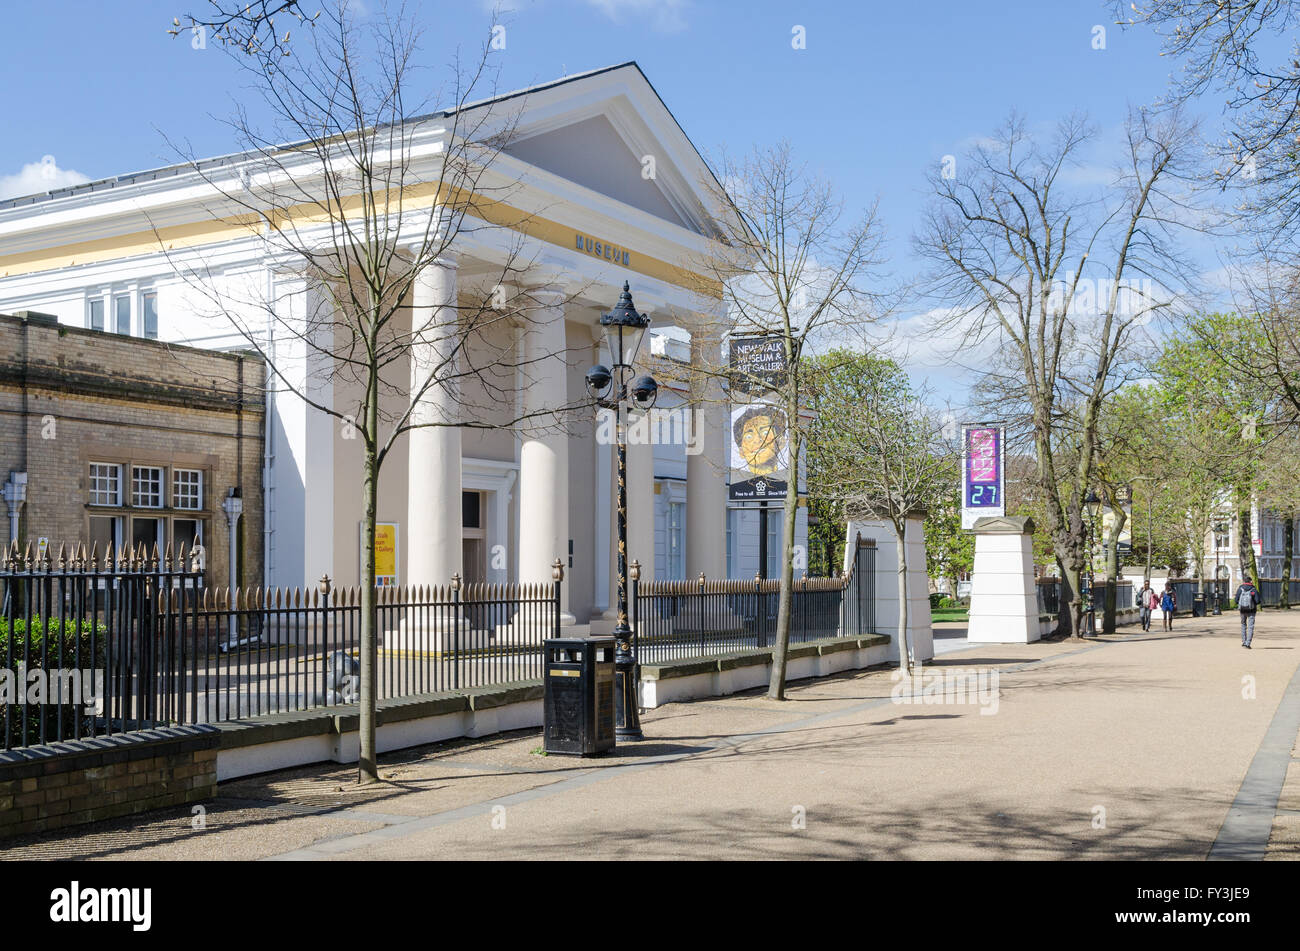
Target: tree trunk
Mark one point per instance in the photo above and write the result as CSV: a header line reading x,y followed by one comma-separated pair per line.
x,y
790,509
368,767
1071,612
904,651
1246,542
1288,552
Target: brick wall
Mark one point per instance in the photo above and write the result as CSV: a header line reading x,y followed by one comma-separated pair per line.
x,y
64,784
70,396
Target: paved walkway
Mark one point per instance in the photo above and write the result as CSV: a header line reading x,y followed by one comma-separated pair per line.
x,y
1143,746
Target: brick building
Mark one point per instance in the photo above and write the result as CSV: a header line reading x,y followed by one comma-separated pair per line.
x,y
130,441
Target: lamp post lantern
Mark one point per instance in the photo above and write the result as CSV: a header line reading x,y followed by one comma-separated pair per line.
x,y
1220,528
611,387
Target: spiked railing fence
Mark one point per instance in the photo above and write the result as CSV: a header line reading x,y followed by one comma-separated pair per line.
x,y
169,650
679,620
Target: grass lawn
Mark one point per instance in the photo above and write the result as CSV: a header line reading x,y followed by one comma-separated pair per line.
x,y
949,614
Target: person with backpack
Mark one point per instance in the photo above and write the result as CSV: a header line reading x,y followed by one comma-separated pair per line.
x,y
1168,605
1148,601
1247,603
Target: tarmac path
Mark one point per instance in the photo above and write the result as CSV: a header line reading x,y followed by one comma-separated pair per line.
x,y
1134,745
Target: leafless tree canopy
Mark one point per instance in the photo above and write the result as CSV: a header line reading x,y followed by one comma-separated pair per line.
x,y
1240,47
355,184
1063,278
789,263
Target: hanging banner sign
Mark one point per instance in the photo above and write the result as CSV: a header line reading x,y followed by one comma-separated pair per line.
x,y
757,364
983,461
760,440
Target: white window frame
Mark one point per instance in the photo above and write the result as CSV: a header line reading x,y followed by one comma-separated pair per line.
x,y
676,539
161,483
92,477
143,329
103,302
178,497
130,311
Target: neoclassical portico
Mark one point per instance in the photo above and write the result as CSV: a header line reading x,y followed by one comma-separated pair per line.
x,y
574,199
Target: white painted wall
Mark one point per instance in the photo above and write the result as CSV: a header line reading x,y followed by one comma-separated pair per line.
x,y
920,632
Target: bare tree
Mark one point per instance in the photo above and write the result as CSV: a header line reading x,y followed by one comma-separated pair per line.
x,y
882,455
1063,280
359,192
1232,46
793,266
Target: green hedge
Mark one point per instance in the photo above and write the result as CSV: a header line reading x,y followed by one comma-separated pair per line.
x,y
41,639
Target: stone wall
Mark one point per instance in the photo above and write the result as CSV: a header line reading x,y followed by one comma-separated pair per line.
x,y
69,783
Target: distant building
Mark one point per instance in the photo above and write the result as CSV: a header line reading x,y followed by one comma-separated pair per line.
x,y
1267,534
122,441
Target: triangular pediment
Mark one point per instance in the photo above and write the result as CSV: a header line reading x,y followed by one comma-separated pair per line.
x,y
592,153
608,131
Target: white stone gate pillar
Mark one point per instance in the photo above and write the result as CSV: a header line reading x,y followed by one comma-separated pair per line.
x,y
1004,595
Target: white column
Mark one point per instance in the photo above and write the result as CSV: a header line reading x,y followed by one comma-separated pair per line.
x,y
706,464
544,451
433,508
640,507
299,486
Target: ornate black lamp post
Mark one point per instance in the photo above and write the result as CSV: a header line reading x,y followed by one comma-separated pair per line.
x,y
624,328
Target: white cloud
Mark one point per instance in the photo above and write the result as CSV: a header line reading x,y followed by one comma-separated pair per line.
x,y
37,177
665,15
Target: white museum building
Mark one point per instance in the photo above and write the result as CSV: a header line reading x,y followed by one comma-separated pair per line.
x,y
489,504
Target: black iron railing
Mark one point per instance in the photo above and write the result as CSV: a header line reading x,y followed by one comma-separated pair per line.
x,y
680,620
168,650
1049,596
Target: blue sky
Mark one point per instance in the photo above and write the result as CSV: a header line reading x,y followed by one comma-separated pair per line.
x,y
881,92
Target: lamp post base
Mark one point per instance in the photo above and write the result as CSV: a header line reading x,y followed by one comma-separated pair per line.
x,y
627,713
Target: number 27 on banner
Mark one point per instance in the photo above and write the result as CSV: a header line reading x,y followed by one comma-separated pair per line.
x,y
982,473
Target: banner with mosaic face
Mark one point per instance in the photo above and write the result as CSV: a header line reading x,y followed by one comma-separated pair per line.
x,y
759,437
760,451
983,478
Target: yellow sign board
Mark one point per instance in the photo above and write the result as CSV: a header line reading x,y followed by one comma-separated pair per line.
x,y
386,570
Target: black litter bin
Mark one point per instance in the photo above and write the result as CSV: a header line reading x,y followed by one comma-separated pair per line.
x,y
579,699
1198,606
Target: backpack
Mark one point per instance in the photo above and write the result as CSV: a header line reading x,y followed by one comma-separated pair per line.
x,y
1247,599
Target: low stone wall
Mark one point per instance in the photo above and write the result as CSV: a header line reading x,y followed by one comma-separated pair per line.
x,y
44,787
279,741
64,784
743,670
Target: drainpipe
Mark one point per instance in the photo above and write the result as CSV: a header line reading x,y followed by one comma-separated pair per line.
x,y
15,493
233,506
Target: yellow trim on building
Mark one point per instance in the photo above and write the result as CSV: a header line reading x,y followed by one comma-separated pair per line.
x,y
199,234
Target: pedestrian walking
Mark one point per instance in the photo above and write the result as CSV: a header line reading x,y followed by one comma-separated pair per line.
x,y
1148,601
1168,605
1247,604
